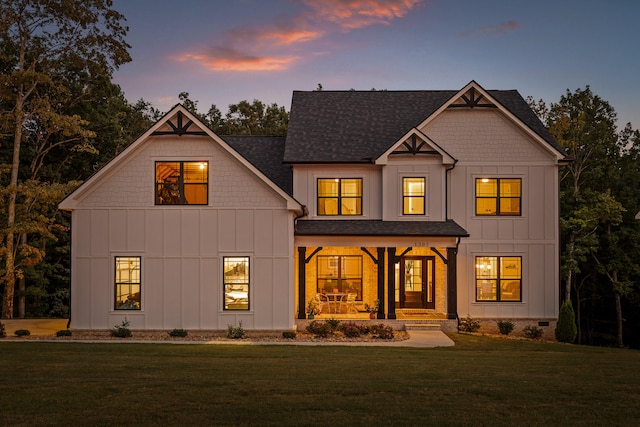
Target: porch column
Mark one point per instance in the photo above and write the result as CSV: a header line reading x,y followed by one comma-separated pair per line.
x,y
302,274
381,282
391,283
452,283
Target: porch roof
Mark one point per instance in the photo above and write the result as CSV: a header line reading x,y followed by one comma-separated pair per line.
x,y
447,228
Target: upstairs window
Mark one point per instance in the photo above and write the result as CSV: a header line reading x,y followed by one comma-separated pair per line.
x,y
340,196
498,196
127,283
498,278
182,183
413,196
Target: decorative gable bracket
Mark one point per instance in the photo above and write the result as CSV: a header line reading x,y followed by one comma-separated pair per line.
x,y
472,99
179,129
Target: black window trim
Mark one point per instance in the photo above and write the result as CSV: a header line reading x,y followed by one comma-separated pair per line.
x,y
181,183
339,196
424,196
497,197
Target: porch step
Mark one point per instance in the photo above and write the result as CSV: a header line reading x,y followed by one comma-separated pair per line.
x,y
422,327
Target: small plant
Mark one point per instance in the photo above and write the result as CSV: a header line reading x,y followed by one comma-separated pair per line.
x,y
505,326
63,333
178,333
235,332
566,329
289,335
381,331
372,308
312,307
22,333
532,332
3,332
468,325
319,329
122,330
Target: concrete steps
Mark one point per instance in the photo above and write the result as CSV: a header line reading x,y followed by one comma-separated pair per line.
x,y
422,327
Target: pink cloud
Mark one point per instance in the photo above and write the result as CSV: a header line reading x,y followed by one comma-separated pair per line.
x,y
352,14
237,49
505,27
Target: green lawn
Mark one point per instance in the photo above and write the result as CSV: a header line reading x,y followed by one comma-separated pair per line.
x,y
480,381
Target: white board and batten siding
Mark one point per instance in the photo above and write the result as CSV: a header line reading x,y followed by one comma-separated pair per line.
x,y
487,144
181,246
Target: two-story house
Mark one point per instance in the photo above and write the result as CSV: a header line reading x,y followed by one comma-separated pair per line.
x,y
435,204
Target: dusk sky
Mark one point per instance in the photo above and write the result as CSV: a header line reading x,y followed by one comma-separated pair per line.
x,y
223,52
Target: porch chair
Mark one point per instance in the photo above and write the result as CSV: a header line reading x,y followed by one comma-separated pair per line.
x,y
350,302
323,301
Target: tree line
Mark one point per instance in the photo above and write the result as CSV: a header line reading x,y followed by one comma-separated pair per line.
x,y
62,118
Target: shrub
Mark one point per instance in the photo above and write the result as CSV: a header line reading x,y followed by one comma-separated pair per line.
x,y
22,333
351,330
63,333
334,324
566,329
289,335
3,332
319,329
532,332
122,330
381,331
178,333
505,326
235,332
468,325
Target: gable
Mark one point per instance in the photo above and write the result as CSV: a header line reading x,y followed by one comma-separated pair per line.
x,y
128,180
361,127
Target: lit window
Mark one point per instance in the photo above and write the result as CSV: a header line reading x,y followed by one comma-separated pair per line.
x,y
498,278
236,283
340,196
182,183
127,283
413,196
496,196
340,273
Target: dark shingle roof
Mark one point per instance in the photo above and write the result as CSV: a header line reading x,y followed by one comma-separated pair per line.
x,y
265,153
359,126
379,228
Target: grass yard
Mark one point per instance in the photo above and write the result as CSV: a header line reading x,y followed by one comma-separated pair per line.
x,y
480,381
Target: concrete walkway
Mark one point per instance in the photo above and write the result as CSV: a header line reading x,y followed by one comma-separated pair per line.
x,y
41,327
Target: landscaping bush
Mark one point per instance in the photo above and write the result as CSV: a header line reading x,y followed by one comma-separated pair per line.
x,y
532,332
122,330
468,325
381,331
235,332
334,324
22,333
566,329
178,333
289,334
319,329
63,333
505,326
351,330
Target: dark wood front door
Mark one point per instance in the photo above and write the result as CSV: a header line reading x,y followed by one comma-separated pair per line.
x,y
417,282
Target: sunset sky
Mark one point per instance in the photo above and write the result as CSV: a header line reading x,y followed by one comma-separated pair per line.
x,y
223,51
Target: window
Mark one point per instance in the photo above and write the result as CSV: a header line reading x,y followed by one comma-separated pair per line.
x,y
236,283
413,200
127,283
182,183
341,272
340,196
498,278
496,196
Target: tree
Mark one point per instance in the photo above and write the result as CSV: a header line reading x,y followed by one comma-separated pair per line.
x,y
41,41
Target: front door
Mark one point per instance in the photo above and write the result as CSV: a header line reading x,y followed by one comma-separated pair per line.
x,y
416,282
